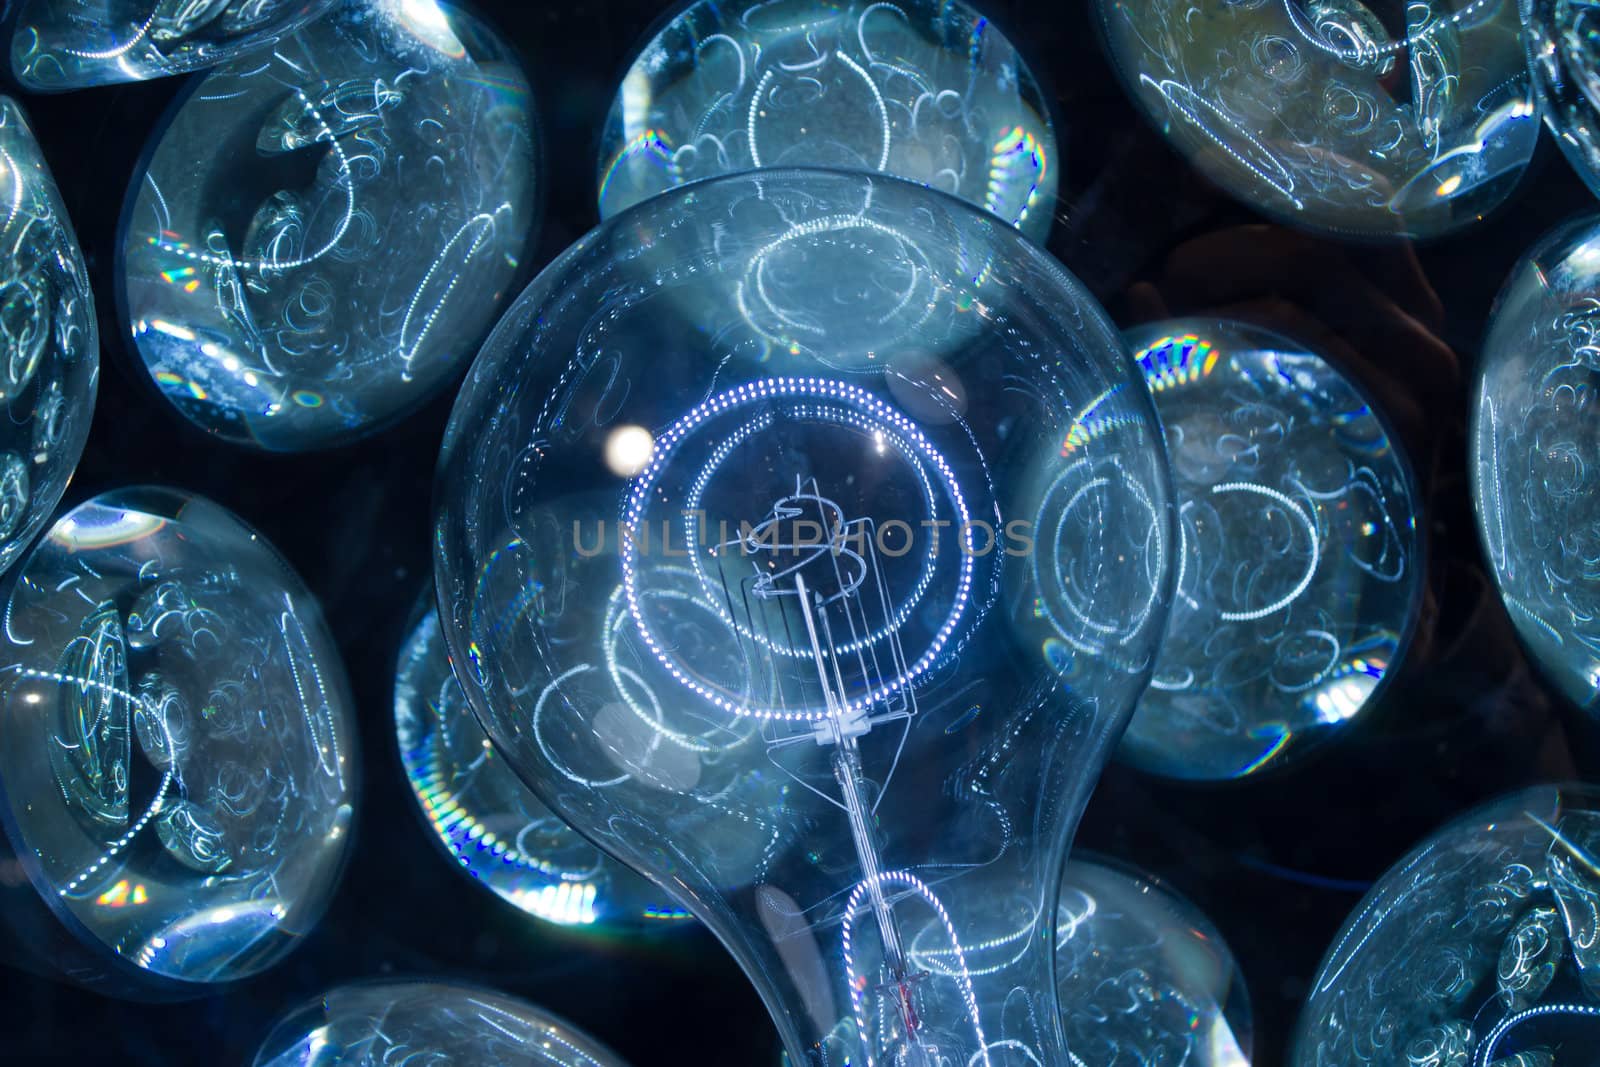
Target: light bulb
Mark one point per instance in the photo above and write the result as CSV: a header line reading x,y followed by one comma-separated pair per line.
x,y
491,825
1398,117
73,44
839,667
177,757
927,90
51,364
322,233
1534,437
1300,578
1564,55
385,1024
1144,976
1481,948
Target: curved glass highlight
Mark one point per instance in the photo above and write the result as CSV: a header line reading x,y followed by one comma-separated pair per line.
x,y
1535,486
1479,949
1563,44
1383,118
49,342
381,1024
488,821
72,44
1301,569
1144,977
177,756
322,233
805,620
926,90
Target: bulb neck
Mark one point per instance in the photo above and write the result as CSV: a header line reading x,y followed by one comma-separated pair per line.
x,y
972,985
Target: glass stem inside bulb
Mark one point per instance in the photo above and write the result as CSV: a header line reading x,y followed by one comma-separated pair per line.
x,y
848,771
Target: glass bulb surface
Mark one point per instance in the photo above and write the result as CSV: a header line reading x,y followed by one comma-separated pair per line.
x,y
1394,117
1300,576
72,44
322,233
1534,483
1144,976
177,761
926,90
488,821
51,346
838,659
382,1024
1563,45
1481,948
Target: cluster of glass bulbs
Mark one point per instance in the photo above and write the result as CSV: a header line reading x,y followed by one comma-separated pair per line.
x,y
807,539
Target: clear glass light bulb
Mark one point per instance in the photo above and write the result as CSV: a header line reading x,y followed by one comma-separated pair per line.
x,y
1481,948
1534,481
51,365
73,44
1300,579
838,659
1388,117
177,756
926,90
385,1024
323,232
488,821
1144,977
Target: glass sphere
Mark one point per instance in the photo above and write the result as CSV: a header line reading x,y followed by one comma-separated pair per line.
x,y
1301,564
1144,976
1563,45
320,234
1479,949
492,824
1394,117
926,90
797,532
177,759
1534,437
72,44
51,366
387,1024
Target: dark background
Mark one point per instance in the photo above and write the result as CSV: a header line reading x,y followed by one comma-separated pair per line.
x,y
1277,863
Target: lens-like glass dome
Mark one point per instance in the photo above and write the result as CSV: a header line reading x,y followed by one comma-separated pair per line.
x,y
384,1024
1301,567
177,757
488,821
72,44
927,90
1360,117
51,345
1535,484
1480,947
323,232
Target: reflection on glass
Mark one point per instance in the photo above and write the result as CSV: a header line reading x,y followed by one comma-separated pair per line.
x,y
1534,438
1479,949
492,824
1410,117
1299,578
71,44
894,569
321,233
423,1023
1144,977
926,90
177,753
49,346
